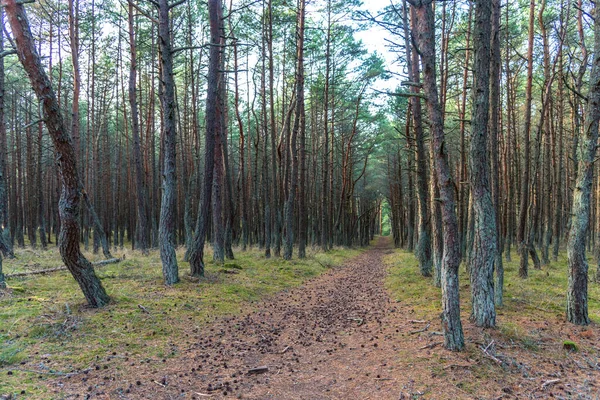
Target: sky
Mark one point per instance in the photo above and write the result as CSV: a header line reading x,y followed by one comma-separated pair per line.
x,y
374,40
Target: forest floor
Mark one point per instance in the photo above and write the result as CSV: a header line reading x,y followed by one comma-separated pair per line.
x,y
367,329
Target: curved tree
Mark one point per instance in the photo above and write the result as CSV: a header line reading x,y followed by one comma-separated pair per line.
x,y
69,203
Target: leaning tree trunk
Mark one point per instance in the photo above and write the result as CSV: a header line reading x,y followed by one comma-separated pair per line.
x,y
483,254
166,228
577,292
425,37
68,241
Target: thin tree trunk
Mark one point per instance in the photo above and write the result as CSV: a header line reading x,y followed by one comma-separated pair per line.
x,y
169,194
493,142
140,179
522,236
298,125
425,37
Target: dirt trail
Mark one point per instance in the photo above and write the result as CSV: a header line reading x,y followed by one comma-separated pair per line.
x,y
339,336
329,339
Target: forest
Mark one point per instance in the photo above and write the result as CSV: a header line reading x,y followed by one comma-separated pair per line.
x,y
306,199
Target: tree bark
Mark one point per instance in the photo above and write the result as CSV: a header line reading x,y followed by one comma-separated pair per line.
x,y
213,118
78,265
299,123
494,139
166,229
425,38
484,250
142,228
577,292
522,236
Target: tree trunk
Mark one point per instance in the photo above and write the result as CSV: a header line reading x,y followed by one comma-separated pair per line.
x,y
213,121
425,37
577,292
484,248
298,125
166,230
423,250
522,236
493,142
78,265
142,227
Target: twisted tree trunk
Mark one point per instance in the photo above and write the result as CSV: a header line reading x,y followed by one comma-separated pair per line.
x,y
68,241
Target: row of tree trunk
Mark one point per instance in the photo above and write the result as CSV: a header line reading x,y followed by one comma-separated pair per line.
x,y
504,196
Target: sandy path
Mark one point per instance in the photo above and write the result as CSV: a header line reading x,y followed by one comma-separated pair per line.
x,y
329,339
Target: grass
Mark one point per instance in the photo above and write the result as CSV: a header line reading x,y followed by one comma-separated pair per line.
x,y
531,326
540,295
47,331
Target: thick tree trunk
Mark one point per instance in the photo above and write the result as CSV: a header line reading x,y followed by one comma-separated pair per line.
x,y
78,265
166,229
484,248
577,293
425,37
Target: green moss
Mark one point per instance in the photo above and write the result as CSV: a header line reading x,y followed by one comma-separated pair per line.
x,y
570,346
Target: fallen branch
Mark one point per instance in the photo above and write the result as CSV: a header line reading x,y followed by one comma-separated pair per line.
x,y
359,320
550,382
284,350
61,268
417,321
57,373
144,309
488,355
458,366
258,370
420,330
430,345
